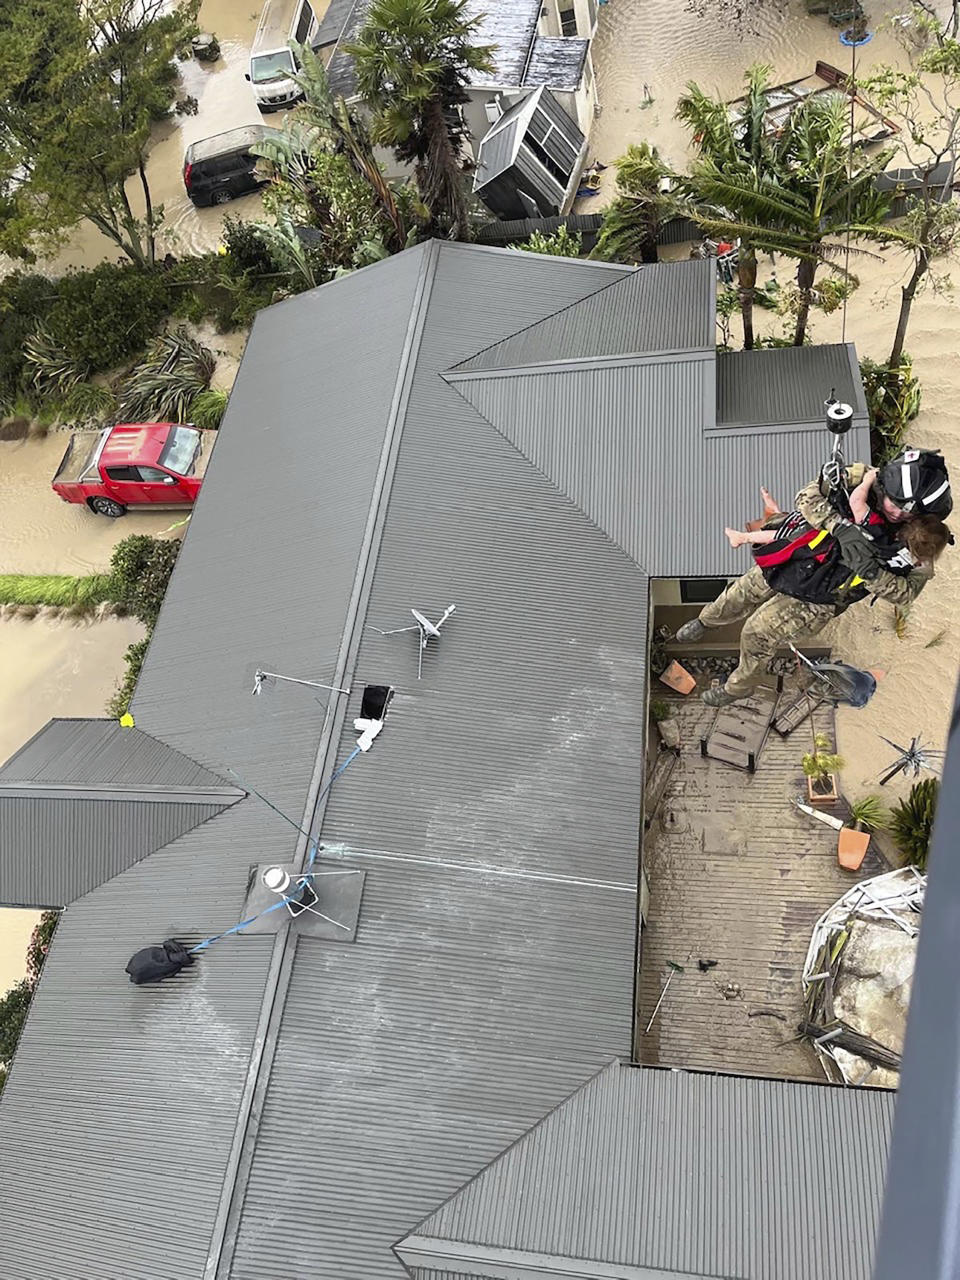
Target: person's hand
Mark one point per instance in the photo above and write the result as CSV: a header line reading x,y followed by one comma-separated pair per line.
x,y
870,477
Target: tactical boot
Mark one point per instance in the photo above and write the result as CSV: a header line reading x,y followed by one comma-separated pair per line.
x,y
691,631
718,697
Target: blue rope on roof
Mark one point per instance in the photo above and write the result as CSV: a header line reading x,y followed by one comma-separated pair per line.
x,y
334,776
202,946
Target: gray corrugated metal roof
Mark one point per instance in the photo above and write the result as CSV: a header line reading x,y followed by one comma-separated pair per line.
x,y
341,73
57,850
645,310
101,751
332,24
786,384
694,1174
556,61
145,1086
511,27
527,981
375,1078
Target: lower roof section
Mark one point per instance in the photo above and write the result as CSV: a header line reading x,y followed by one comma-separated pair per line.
x,y
646,1173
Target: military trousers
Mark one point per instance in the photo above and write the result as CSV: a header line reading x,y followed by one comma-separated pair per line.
x,y
771,621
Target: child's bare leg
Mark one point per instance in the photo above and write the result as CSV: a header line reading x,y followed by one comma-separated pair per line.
x,y
759,538
770,507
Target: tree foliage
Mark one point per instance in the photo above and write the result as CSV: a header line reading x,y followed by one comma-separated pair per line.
x,y
644,202
80,88
414,59
924,97
912,821
805,194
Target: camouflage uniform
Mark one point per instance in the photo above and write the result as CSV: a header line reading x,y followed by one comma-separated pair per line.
x,y
774,619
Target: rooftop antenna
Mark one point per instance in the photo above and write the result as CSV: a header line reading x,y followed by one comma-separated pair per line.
x,y
428,631
260,675
912,759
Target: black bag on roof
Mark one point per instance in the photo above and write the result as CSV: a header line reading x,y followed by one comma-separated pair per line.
x,y
153,964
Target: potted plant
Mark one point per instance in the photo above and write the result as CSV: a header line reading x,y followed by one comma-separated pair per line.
x,y
912,821
821,767
667,726
866,815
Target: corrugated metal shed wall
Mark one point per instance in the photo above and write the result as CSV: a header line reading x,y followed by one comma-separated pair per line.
x,y
696,1174
54,851
136,1091
100,751
653,310
471,1002
788,384
497,152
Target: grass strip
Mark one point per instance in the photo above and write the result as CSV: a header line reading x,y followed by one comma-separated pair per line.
x,y
61,590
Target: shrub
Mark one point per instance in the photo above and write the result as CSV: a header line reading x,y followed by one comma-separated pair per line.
x,y
660,710
39,944
562,244
13,1014
893,400
248,248
207,408
89,400
119,704
912,821
868,814
140,570
102,317
164,385
24,301
51,369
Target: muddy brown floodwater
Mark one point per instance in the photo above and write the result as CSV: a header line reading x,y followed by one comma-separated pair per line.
x,y
51,668
651,49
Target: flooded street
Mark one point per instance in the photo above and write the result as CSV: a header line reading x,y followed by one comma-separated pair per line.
x,y
51,668
225,102
655,49
40,533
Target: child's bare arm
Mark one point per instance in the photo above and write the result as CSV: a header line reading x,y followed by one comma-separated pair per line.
x,y
859,496
758,538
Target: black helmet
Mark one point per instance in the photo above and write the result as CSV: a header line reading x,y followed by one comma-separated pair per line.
x,y
917,482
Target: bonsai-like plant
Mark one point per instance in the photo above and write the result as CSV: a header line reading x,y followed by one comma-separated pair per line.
x,y
912,821
869,814
819,763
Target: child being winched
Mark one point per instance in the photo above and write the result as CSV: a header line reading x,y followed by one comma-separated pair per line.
x,y
798,559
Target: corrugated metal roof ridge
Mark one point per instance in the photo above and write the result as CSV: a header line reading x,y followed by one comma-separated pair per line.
x,y
230,1209
613,542
63,734
622,273
419,1228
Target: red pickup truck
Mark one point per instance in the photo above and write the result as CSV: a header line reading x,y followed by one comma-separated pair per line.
x,y
134,464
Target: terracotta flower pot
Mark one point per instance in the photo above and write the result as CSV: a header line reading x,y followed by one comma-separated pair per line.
x,y
823,791
852,847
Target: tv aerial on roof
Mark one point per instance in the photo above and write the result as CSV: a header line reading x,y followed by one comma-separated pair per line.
x,y
428,631
912,759
259,676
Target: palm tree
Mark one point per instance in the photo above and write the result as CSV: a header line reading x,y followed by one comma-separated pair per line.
x,y
733,143
414,59
644,202
814,191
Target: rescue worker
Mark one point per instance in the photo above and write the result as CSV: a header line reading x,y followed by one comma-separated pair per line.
x,y
915,483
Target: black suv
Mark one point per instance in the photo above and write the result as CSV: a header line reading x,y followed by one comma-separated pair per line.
x,y
221,168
